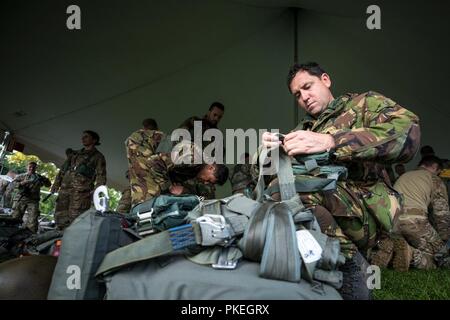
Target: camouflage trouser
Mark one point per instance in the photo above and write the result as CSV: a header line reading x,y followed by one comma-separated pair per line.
x,y
32,208
69,205
441,222
348,214
415,227
247,191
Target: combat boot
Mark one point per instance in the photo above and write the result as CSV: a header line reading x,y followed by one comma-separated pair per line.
x,y
383,255
403,255
442,257
355,278
442,262
422,260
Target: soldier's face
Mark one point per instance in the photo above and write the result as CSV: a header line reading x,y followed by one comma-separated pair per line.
x,y
31,168
435,169
312,93
214,116
87,140
207,174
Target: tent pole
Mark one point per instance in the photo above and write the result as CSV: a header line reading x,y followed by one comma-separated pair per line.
x,y
295,13
3,149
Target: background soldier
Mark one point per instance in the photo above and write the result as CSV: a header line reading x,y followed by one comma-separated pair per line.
x,y
357,131
209,121
140,146
82,172
27,198
423,234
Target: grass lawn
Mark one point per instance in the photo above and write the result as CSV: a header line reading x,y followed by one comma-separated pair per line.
x,y
414,285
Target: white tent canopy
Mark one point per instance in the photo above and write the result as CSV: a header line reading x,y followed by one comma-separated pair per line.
x,y
170,59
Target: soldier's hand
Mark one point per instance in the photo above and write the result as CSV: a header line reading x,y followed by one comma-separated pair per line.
x,y
270,140
176,190
307,142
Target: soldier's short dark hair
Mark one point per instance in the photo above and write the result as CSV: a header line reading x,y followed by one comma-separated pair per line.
x,y
33,163
94,136
221,174
426,150
313,68
217,105
429,160
150,124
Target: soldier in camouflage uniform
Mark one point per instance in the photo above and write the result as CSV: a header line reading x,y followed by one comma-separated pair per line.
x,y
166,177
27,198
124,205
422,235
209,121
363,132
140,146
241,178
82,172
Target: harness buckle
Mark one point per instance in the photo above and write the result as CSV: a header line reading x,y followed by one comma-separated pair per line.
x,y
214,229
145,215
223,262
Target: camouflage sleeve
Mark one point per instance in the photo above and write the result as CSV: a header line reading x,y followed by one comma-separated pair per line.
x,y
187,124
57,183
124,205
16,182
46,181
100,171
189,187
440,212
160,164
386,132
58,179
19,179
